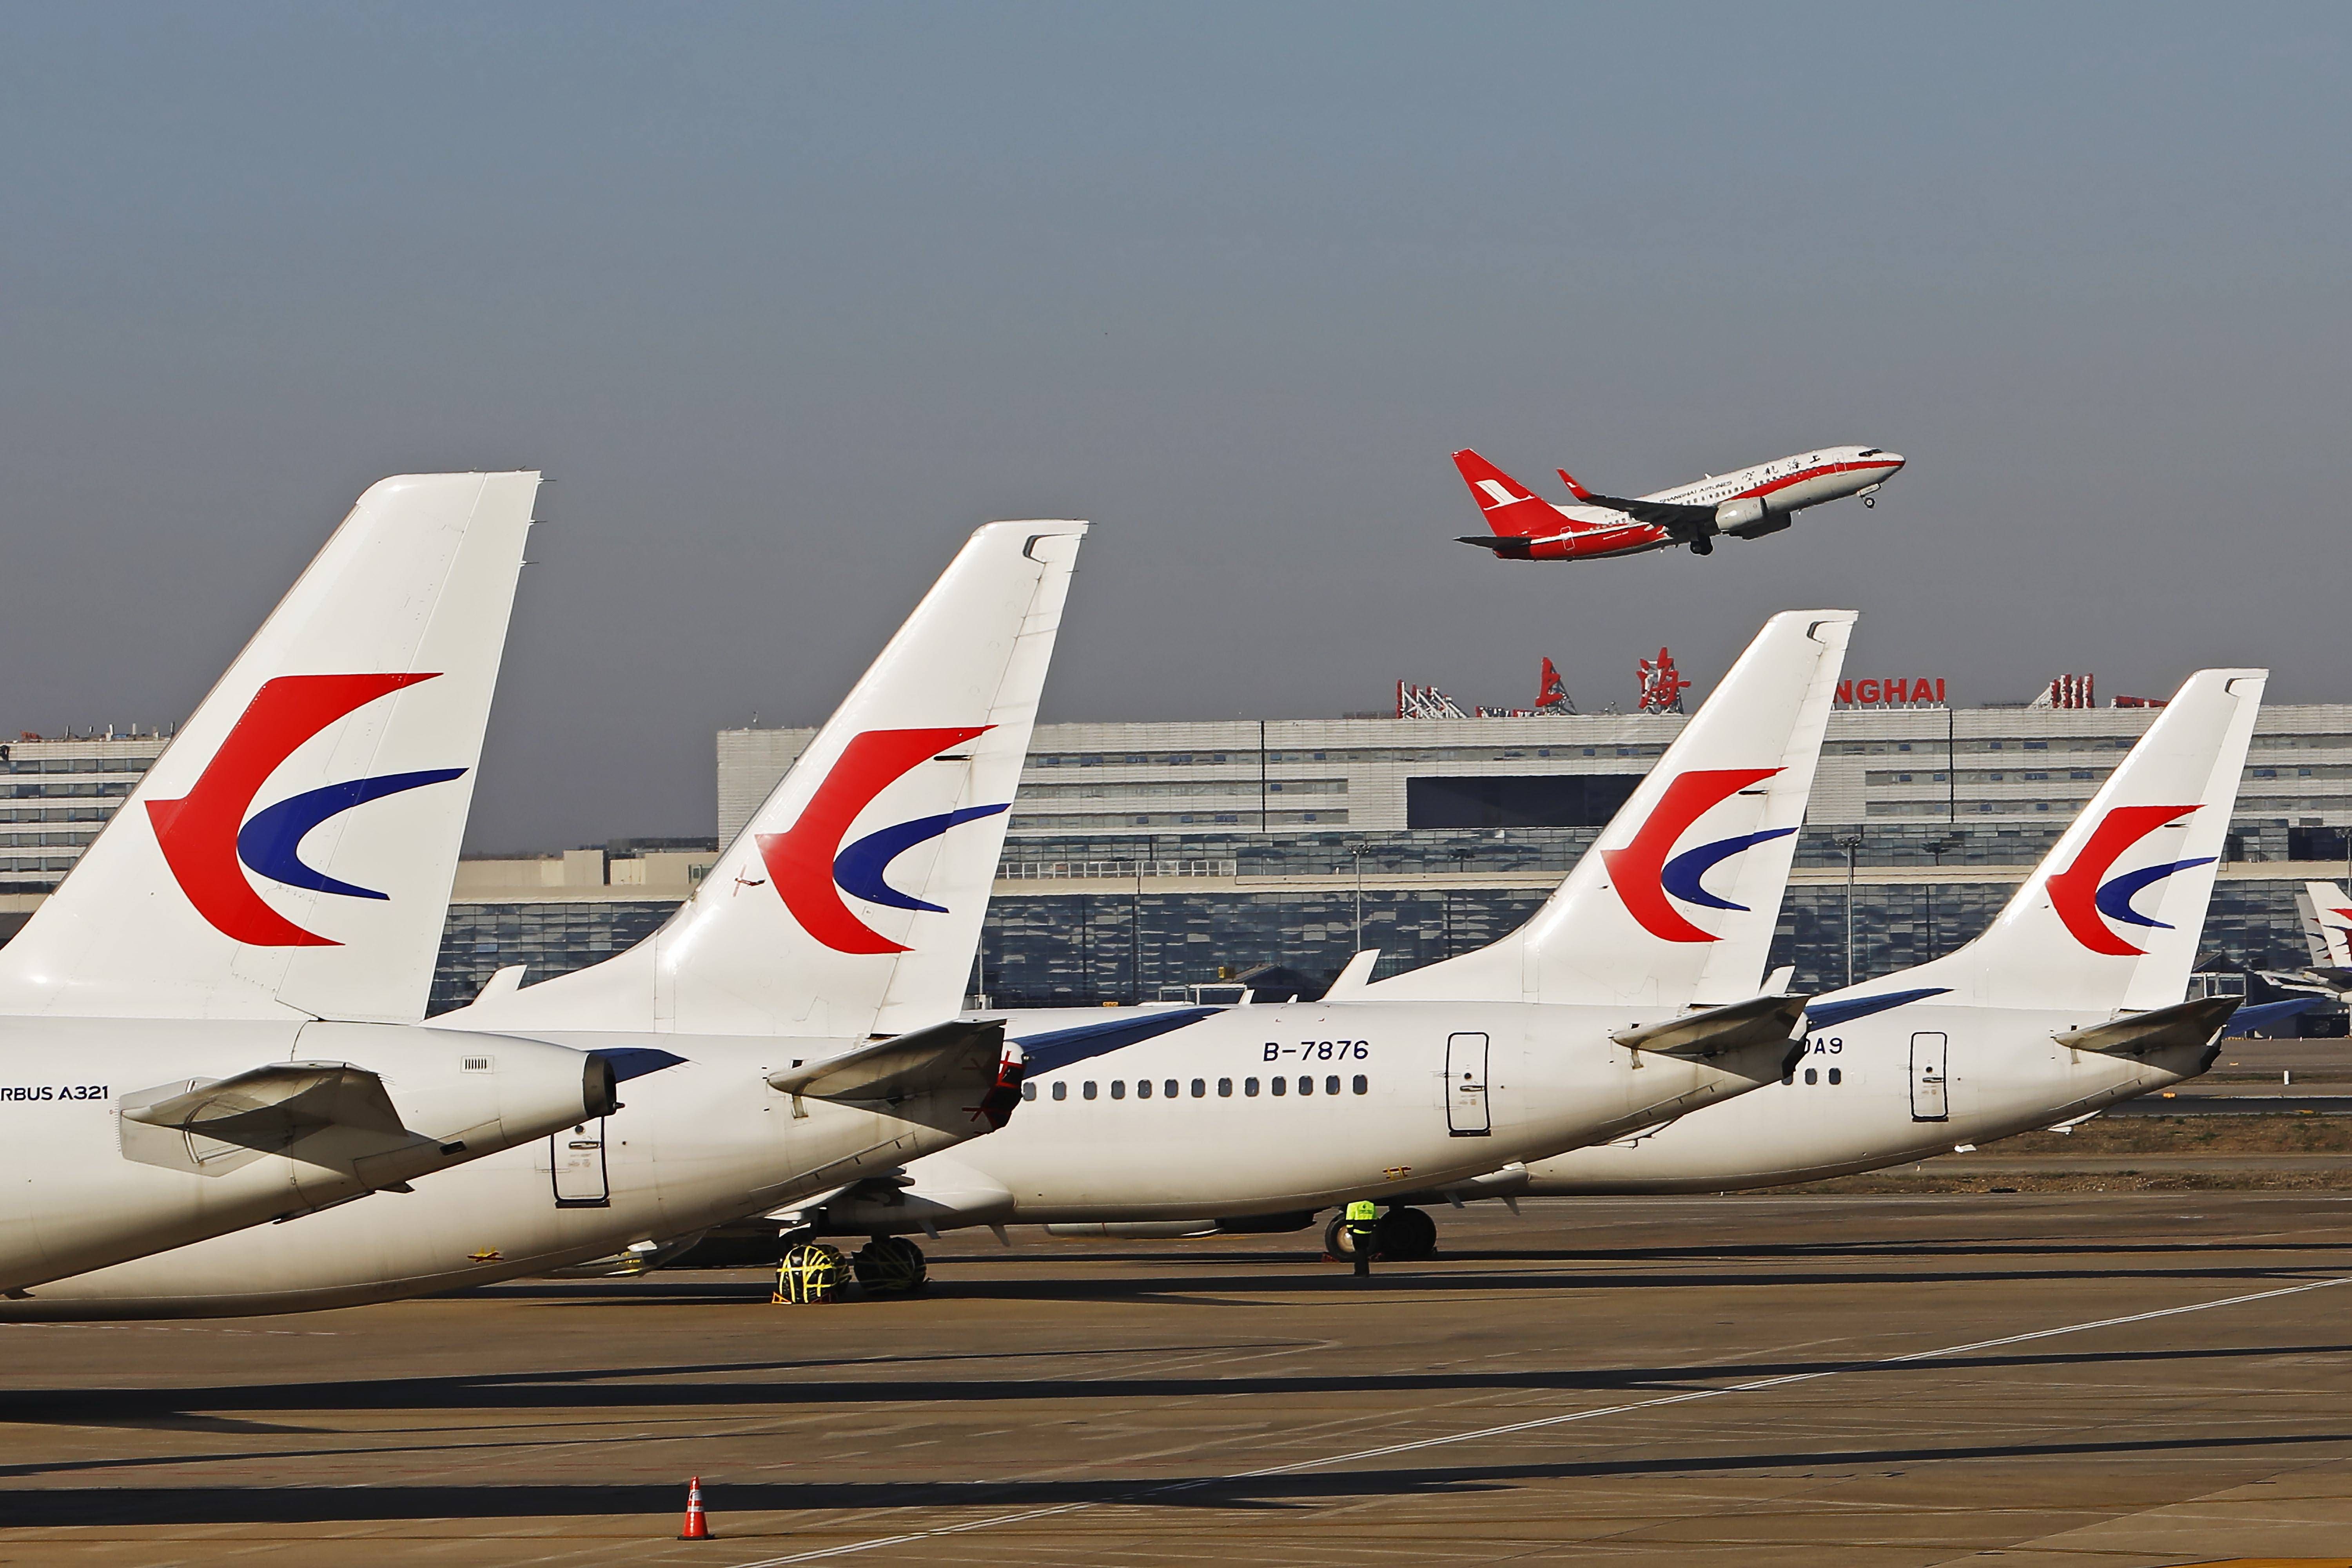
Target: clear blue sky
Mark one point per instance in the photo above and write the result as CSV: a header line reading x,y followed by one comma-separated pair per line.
x,y
789,299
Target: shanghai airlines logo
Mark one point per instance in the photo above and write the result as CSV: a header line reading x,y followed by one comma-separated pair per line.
x,y
2081,898
210,843
811,869
1643,874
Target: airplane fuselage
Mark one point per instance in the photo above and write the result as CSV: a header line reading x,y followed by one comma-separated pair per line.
x,y
1277,1108
87,1187
1908,1084
694,1146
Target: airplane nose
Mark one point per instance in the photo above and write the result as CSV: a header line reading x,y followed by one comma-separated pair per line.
x,y
1895,457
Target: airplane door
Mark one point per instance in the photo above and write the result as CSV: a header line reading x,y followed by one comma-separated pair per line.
x,y
579,1162
1929,1102
1466,1115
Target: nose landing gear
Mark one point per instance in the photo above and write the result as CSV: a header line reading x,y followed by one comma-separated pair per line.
x,y
1870,500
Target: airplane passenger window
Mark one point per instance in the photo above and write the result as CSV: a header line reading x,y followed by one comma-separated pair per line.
x,y
1363,1084
1837,1076
1061,1089
1249,1088
1225,1089
1200,1088
1028,1091
1170,1088
1119,1087
1330,1086
1306,1085
1279,1085
1811,1077
1143,1089
1089,1090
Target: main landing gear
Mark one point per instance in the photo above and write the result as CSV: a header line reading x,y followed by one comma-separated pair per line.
x,y
889,1265
1405,1235
1702,545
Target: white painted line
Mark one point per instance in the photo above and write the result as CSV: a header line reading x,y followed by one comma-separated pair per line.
x,y
1143,1494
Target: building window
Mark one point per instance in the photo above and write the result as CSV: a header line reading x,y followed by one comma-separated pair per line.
x,y
1118,1088
1061,1089
1363,1084
1249,1088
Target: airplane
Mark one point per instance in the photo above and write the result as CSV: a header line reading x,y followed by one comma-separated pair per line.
x,y
2328,929
1747,505
213,1022
2070,1002
806,995
1626,1000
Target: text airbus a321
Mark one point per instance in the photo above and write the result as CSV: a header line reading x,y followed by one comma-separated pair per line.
x,y
1747,505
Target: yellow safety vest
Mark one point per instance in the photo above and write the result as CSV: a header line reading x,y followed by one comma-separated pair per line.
x,y
1362,1213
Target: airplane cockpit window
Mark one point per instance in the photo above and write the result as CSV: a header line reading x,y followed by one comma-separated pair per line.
x,y
1870,452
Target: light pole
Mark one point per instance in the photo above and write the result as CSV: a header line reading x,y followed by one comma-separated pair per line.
x,y
1849,845
1356,851
1940,848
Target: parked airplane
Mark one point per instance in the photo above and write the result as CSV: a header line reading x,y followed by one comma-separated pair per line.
x,y
1747,505
811,987
1628,998
2328,929
212,1022
2069,1003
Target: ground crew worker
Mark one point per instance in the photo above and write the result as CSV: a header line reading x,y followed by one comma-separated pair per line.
x,y
1364,1224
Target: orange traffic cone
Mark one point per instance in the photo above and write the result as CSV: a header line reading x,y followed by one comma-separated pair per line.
x,y
698,1524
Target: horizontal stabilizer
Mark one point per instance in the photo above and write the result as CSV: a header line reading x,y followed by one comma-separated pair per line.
x,y
1720,1032
958,1052
2184,1026
271,1108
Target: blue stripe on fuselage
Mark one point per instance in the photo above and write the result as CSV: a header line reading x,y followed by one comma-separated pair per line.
x,y
1061,1048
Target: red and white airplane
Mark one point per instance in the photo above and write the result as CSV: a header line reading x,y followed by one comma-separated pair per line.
x,y
1747,505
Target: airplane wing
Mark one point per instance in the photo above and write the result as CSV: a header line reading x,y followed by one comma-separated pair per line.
x,y
271,1108
920,1062
1678,519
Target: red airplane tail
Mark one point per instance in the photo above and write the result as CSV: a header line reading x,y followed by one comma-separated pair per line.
x,y
1510,508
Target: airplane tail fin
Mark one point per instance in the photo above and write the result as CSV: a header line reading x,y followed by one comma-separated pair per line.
x,y
2327,924
1510,508
851,902
2112,916
291,851
1653,915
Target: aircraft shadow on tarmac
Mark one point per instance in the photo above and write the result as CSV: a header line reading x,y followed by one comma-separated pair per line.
x,y
76,1506
632,1388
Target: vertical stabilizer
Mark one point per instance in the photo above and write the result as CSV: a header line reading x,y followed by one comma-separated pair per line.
x,y
291,851
2327,924
2110,918
1675,903
850,905
1510,508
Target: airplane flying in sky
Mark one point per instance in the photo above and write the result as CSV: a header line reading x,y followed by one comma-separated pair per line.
x,y
1747,505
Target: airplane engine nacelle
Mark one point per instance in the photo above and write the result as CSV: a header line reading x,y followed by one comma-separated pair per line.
x,y
1747,516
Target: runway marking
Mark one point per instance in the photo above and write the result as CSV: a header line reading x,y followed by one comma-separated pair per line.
x,y
1511,1428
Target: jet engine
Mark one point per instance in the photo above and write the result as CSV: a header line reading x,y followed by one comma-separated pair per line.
x,y
1747,517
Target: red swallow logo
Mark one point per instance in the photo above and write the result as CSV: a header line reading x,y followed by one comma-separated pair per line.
x,y
810,868
2081,898
204,834
1638,871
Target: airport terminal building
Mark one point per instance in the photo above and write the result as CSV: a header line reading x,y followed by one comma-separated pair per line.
x,y
1146,857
